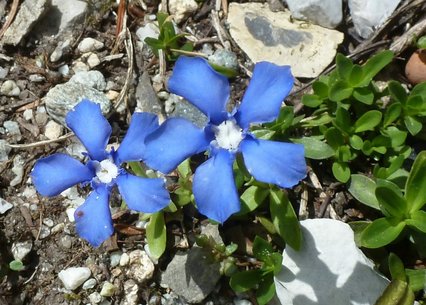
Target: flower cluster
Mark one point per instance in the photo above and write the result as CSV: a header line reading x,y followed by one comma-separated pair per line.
x,y
163,147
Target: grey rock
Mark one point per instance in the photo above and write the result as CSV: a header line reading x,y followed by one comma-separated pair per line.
x,y
329,269
191,275
242,302
146,98
131,290
30,11
48,222
115,258
370,14
95,298
3,72
89,44
4,150
271,36
74,277
59,50
10,88
62,98
5,206
224,58
21,249
149,30
64,15
89,284
326,13
108,289
182,108
36,78
66,241
94,79
44,232
18,170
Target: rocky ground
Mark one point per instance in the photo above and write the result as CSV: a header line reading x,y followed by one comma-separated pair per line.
x,y
56,52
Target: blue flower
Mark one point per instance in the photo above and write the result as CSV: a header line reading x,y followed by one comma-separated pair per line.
x,y
54,174
226,134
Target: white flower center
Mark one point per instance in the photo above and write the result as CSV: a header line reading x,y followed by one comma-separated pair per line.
x,y
106,171
228,135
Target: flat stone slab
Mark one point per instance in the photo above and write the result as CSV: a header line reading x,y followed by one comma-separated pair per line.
x,y
329,269
273,36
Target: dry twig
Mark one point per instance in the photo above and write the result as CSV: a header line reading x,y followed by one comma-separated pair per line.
x,y
12,14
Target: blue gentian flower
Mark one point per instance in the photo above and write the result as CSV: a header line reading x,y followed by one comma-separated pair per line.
x,y
226,134
54,174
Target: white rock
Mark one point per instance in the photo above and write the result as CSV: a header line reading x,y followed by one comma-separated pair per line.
x,y
267,36
70,213
36,78
115,258
48,222
3,72
329,269
242,302
73,277
327,13
4,150
89,44
93,60
10,88
182,9
369,14
149,30
18,170
131,290
141,267
94,79
53,130
95,298
124,259
28,114
21,249
12,128
5,206
89,284
79,66
64,70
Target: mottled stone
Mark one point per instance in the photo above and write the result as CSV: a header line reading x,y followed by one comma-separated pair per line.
x,y
327,13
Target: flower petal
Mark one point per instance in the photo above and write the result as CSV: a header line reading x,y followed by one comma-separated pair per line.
x,y
262,100
143,194
195,80
93,217
90,127
132,147
174,141
54,174
279,163
214,187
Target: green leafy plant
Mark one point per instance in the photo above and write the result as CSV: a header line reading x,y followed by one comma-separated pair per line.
x,y
262,279
167,40
401,208
16,265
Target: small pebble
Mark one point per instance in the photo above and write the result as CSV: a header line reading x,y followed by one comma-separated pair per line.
x,y
89,45
4,205
115,258
12,128
64,70
79,66
48,222
44,232
66,241
124,260
28,114
108,289
94,79
58,228
4,151
95,298
3,72
10,88
18,170
89,284
93,60
53,130
242,302
36,78
21,249
70,213
74,277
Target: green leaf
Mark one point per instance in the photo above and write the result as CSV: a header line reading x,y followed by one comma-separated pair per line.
x,y
390,198
311,100
415,105
343,120
418,220
416,279
397,92
156,234
344,153
413,125
340,90
285,219
358,227
184,169
16,265
228,72
397,293
356,142
363,190
317,119
315,149
364,95
137,168
267,224
381,232
245,280
375,64
396,268
421,42
252,198
397,137
261,249
419,89
334,138
392,113
266,290
320,89
356,76
341,171
343,66
415,189
368,121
